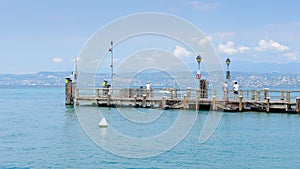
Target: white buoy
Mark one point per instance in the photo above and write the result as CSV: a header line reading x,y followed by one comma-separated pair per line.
x,y
103,123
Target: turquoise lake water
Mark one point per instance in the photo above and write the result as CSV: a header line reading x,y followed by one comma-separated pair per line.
x,y
38,131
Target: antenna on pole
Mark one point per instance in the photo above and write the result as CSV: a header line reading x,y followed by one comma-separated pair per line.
x,y
112,64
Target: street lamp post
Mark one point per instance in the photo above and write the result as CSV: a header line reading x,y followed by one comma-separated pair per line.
x,y
198,59
227,72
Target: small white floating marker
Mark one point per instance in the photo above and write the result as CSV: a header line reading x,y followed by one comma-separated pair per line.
x,y
103,123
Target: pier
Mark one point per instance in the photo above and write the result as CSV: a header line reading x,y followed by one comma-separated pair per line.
x,y
265,100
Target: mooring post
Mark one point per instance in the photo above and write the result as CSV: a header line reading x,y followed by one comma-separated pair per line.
x,y
130,93
215,92
135,100
184,102
288,96
108,99
241,103
197,104
266,93
268,104
282,95
214,103
198,92
97,93
163,102
77,96
152,93
188,92
171,93
144,100
175,93
298,105
68,92
257,95
252,95
121,93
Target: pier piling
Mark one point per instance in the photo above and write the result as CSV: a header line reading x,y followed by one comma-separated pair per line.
x,y
144,100
214,107
241,103
288,97
257,95
163,102
69,91
298,105
184,102
267,104
108,99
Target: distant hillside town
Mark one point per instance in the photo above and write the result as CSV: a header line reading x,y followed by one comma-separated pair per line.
x,y
246,80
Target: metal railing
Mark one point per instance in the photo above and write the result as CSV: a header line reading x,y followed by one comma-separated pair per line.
x,y
173,93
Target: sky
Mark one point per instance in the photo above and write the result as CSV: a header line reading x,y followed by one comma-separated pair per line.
x,y
49,35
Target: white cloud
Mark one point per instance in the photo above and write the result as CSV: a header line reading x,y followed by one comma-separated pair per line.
x,y
202,6
264,45
229,48
180,51
57,60
204,41
291,56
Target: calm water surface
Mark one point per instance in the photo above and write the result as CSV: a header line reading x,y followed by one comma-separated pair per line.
x,y
38,131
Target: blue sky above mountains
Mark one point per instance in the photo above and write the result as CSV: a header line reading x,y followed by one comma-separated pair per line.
x,y
48,35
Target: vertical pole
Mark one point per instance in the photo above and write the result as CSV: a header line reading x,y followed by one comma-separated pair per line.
x,y
97,93
215,92
197,92
175,93
112,64
257,95
197,104
188,92
152,93
184,102
282,95
144,100
108,99
268,104
68,92
214,107
266,90
298,105
288,97
130,93
121,93
252,95
171,93
163,102
200,73
226,95
241,103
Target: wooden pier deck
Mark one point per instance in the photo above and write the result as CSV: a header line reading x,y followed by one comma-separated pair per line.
x,y
248,100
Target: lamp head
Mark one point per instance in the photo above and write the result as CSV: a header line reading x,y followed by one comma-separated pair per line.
x,y
227,61
198,58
